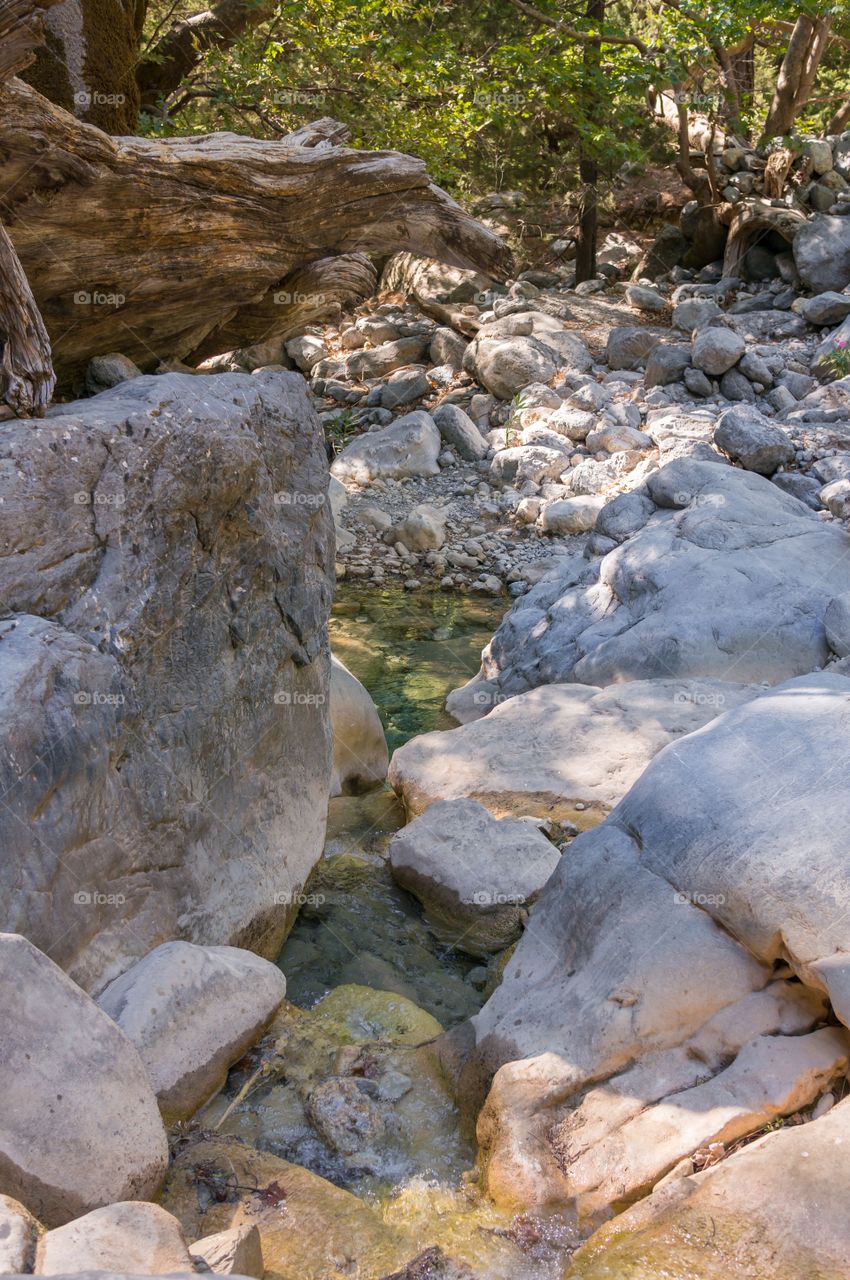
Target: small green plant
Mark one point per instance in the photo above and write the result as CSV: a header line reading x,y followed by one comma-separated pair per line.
x,y
837,361
516,407
340,429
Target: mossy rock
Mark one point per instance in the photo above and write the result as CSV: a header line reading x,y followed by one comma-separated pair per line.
x,y
354,1014
310,1229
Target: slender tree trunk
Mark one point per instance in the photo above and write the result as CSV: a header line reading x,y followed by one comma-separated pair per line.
x,y
840,120
798,72
737,75
588,165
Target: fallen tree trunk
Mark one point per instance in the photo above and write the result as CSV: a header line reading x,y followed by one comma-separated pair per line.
x,y
26,370
317,292
154,247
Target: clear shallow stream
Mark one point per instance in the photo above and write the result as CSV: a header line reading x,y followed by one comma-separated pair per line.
x,y
368,982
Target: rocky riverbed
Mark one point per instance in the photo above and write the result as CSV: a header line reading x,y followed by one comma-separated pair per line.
x,y
567,995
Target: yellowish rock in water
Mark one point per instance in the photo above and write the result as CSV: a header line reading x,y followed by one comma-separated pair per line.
x,y
354,1013
310,1229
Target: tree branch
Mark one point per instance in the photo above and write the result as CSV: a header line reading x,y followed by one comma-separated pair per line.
x,y
585,37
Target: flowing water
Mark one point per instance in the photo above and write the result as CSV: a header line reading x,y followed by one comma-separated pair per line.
x,y
348,1086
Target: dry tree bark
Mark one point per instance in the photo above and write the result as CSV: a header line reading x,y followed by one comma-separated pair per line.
x,y
156,247
26,370
794,84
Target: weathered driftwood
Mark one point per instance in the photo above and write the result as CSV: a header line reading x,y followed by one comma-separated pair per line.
x,y
753,222
316,292
152,247
26,371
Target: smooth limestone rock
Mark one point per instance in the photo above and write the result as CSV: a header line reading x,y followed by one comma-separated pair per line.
x,y
822,253
725,580
163,675
140,1237
534,462
474,875
629,348
409,447
518,350
81,1127
716,350
667,362
107,371
235,1252
771,1076
748,437
571,515
596,744
774,1209
378,362
192,1012
19,1233
360,749
459,431
308,1227
723,864
505,365
826,308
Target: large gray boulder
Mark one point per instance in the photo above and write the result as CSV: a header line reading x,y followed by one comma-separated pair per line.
x,y
163,667
408,447
826,308
505,365
822,253
81,1127
725,579
474,874
192,1012
660,954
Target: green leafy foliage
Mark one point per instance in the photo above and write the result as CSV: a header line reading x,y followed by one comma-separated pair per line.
x,y
490,95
